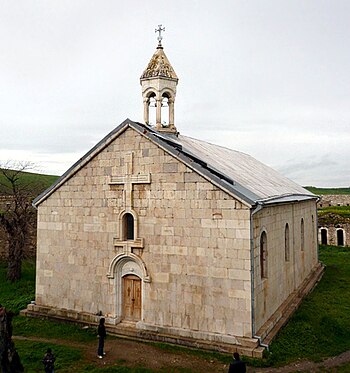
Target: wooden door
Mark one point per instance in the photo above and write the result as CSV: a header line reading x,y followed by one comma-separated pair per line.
x,y
131,298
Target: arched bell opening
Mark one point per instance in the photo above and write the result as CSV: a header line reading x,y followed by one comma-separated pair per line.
x,y
165,111
150,109
159,82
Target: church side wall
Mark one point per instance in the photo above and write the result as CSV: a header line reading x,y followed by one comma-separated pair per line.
x,y
196,247
283,276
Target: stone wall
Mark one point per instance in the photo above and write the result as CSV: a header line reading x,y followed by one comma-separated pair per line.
x,y
334,229
285,273
334,200
338,235
192,245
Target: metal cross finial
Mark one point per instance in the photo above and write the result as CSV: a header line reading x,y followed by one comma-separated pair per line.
x,y
159,30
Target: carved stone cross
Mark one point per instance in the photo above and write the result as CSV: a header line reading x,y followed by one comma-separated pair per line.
x,y
129,180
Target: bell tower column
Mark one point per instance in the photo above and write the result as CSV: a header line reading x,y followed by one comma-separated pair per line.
x,y
171,113
146,110
158,113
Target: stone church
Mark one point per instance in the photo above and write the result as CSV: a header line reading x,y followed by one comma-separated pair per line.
x,y
172,238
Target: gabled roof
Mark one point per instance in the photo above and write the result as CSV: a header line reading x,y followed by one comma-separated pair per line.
x,y
237,173
262,180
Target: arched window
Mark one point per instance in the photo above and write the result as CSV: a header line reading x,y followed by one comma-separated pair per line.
x,y
324,235
302,235
128,227
340,237
263,255
286,243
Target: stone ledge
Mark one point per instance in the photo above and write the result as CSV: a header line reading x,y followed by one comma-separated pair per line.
x,y
141,331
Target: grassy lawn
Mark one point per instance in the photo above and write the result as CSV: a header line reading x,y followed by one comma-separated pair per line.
x,y
343,211
16,296
321,326
319,329
31,354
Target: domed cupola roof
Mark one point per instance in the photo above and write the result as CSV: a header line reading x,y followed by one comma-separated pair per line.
x,y
159,66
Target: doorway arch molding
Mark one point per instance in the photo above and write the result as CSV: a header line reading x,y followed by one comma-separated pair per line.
x,y
121,260
122,265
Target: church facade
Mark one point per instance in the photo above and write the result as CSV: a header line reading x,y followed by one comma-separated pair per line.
x,y
173,238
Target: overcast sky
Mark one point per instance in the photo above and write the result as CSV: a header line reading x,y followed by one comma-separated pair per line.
x,y
268,78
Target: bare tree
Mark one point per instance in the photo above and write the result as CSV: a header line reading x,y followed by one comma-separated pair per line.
x,y
17,213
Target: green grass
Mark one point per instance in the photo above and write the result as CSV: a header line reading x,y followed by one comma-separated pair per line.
x,y
343,211
49,329
31,354
321,326
319,329
70,359
15,296
320,191
344,368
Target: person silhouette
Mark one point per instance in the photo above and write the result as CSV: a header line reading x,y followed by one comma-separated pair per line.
x,y
101,331
237,365
49,361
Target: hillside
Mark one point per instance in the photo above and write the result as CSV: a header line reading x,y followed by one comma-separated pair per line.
x,y
343,211
325,191
37,181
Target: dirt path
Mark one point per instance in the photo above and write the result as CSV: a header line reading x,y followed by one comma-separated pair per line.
x,y
132,353
308,366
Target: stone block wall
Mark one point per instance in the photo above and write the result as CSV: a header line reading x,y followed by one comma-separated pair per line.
x,y
334,229
335,234
196,244
283,276
334,200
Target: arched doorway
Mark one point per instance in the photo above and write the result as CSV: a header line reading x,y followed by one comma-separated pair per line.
x,y
131,298
324,235
128,272
340,237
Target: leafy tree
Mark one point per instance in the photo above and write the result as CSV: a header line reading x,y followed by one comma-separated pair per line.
x,y
17,215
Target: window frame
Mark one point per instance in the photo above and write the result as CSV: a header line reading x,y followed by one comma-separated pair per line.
x,y
263,255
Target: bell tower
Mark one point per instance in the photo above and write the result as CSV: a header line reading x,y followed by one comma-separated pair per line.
x,y
158,83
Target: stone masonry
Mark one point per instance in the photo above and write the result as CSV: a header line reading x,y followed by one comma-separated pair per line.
x,y
192,248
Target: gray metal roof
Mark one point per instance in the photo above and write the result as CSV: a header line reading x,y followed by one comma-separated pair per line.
x,y
237,173
260,179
